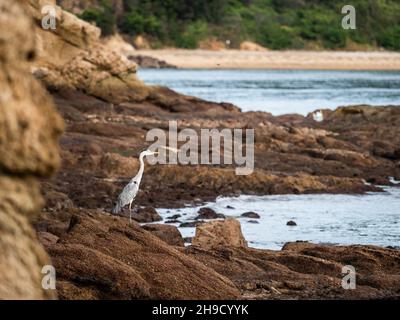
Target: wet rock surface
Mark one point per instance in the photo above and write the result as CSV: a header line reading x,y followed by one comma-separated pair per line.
x,y
207,213
250,214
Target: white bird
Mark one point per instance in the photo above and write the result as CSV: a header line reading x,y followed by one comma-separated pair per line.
x,y
130,191
318,116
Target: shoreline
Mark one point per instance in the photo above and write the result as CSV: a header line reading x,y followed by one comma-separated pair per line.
x,y
278,60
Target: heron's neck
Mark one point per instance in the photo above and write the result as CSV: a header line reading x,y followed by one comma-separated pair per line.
x,y
139,175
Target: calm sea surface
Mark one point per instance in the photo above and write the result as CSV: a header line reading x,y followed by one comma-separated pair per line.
x,y
281,92
335,219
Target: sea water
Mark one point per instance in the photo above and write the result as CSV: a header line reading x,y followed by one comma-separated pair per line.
x,y
373,218
282,91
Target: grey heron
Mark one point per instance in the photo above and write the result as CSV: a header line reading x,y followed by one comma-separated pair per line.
x,y
130,191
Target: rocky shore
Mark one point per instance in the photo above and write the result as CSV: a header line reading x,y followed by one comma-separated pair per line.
x,y
107,111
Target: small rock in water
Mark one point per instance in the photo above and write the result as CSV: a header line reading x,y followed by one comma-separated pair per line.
x,y
251,214
229,207
173,221
174,217
252,221
291,223
207,213
190,224
188,239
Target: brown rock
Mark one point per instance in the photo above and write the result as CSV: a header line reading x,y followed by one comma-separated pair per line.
x,y
149,62
117,43
206,213
219,233
47,239
188,239
147,214
167,233
174,217
71,36
29,128
306,270
99,72
57,200
251,214
191,224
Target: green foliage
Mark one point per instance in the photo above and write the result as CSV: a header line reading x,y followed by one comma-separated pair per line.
x,y
277,24
391,38
104,17
135,23
194,33
275,37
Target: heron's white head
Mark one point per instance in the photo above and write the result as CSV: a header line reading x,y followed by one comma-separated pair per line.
x,y
148,153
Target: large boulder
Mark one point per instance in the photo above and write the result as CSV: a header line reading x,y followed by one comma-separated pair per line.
x,y
29,128
167,233
218,233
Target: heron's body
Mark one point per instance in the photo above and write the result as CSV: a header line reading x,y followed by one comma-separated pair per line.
x,y
127,196
130,191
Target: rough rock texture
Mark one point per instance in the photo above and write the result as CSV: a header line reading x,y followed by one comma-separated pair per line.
x,y
29,128
213,234
207,213
99,72
145,215
117,43
71,36
306,271
104,257
167,233
149,62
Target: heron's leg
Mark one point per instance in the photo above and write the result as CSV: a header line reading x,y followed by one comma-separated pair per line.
x,y
130,212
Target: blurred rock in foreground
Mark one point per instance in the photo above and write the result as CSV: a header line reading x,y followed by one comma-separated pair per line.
x,y
29,128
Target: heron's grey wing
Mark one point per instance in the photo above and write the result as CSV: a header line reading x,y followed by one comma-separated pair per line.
x,y
127,195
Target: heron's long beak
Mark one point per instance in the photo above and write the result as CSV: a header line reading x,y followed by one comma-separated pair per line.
x,y
171,149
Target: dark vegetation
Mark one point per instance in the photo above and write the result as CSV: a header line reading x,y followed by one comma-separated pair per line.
x,y
276,24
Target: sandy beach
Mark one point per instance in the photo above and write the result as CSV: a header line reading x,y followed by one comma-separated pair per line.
x,y
313,60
